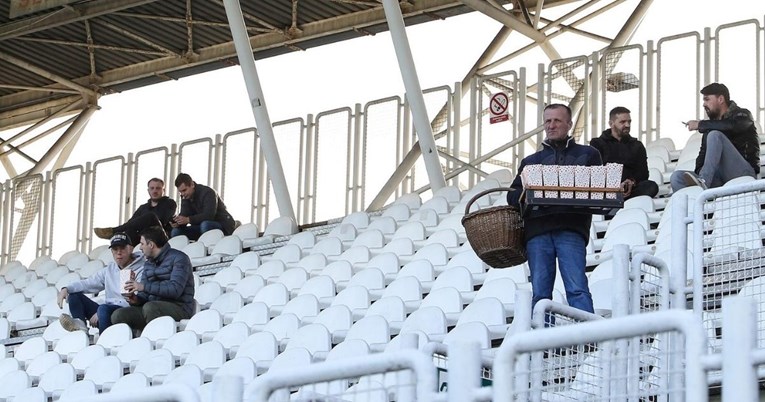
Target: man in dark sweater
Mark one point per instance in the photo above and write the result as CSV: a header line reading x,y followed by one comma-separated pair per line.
x,y
617,146
167,286
557,232
730,146
201,210
158,211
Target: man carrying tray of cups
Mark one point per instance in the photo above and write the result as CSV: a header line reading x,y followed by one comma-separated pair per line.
x,y
557,232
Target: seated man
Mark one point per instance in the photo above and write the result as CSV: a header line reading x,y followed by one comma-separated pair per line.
x,y
158,211
201,210
167,286
730,146
617,146
108,278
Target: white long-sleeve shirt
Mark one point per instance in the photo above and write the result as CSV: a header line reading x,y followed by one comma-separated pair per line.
x,y
108,278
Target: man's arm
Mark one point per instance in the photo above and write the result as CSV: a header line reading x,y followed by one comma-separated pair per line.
x,y
513,197
597,143
594,159
142,210
209,202
92,284
702,153
173,287
641,164
739,122
165,210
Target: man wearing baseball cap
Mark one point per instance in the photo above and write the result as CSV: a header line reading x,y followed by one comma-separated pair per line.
x,y
82,308
730,146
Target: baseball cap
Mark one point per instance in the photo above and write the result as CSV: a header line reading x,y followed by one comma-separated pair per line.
x,y
119,239
716,88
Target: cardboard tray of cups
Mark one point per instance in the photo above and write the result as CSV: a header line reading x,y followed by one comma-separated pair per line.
x,y
598,204
587,189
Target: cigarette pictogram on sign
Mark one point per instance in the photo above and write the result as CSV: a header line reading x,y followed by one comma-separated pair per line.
x,y
498,108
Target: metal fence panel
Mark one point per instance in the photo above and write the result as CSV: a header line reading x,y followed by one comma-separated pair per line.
x,y
26,201
728,252
382,146
66,213
332,163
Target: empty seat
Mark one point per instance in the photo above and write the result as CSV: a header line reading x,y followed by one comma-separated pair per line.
x,y
180,344
114,337
208,356
155,364
104,372
261,348
56,379
159,329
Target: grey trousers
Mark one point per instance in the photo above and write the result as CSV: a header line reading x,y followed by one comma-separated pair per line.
x,y
136,317
722,162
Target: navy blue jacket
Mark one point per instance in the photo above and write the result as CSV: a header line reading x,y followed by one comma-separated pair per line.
x,y
169,277
555,218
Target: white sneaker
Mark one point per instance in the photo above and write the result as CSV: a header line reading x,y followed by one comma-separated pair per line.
x,y
691,179
72,324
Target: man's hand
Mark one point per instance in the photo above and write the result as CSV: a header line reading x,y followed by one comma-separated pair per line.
x,y
94,321
131,299
133,286
181,220
62,295
693,125
627,186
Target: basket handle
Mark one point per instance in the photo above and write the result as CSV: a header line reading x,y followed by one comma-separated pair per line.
x,y
482,193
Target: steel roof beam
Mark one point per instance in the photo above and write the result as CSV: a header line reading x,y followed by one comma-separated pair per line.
x,y
66,15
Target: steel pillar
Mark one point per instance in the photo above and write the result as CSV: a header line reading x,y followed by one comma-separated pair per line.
x,y
414,94
259,110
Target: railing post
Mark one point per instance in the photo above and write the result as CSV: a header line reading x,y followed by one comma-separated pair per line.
x,y
679,243
464,370
739,339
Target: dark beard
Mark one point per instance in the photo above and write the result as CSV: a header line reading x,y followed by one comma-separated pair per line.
x,y
712,115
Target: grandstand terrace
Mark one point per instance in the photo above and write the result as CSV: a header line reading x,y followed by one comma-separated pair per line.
x,y
371,290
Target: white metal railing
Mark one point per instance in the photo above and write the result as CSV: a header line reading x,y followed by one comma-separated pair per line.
x,y
593,374
407,375
634,76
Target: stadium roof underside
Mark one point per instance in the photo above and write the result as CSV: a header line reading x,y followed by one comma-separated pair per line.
x,y
58,61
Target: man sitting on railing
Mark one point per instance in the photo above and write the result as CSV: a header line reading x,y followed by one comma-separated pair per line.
x,y
167,287
617,146
158,211
201,210
730,146
557,232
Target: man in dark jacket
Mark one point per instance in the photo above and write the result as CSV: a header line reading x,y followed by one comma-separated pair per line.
x,y
167,286
730,146
201,210
158,211
557,232
617,146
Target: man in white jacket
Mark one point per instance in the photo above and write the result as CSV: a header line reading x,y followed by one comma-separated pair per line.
x,y
83,308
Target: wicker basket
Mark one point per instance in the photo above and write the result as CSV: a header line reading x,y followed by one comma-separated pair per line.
x,y
495,233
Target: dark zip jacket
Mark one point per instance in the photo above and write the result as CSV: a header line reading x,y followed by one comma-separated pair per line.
x,y
628,151
555,218
206,205
165,210
738,126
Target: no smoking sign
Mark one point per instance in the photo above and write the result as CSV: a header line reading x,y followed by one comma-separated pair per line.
x,y
498,108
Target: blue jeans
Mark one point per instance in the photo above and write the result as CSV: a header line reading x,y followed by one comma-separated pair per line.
x,y
194,231
722,162
82,307
569,249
